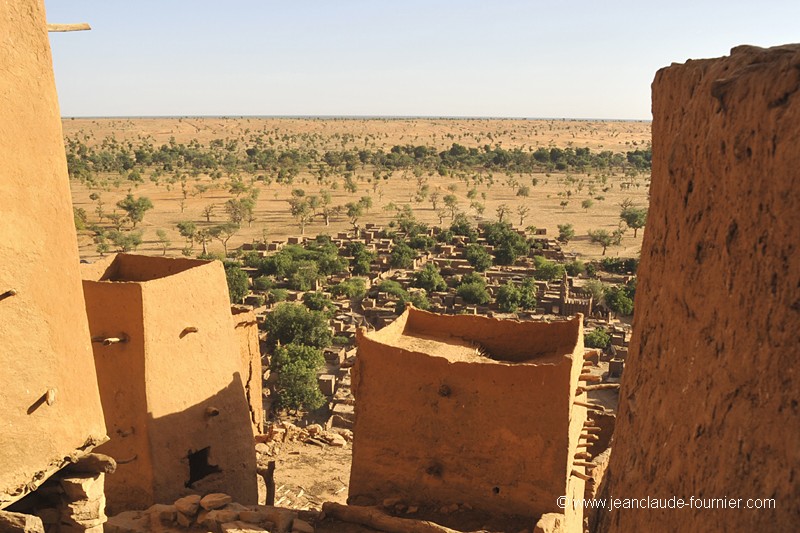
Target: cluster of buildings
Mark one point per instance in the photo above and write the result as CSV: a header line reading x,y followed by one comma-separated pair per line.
x,y
556,300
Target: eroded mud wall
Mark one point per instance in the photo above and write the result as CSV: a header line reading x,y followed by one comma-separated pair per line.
x,y
494,434
246,327
43,329
709,401
174,392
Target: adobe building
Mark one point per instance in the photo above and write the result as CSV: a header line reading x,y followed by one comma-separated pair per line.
x,y
709,398
470,410
171,380
50,411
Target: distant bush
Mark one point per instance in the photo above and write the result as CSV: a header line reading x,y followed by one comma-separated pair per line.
x,y
575,268
278,295
316,301
294,323
351,288
478,257
598,338
390,286
402,256
237,282
263,283
430,279
547,270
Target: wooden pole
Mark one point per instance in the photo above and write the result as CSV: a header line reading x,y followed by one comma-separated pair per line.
x,y
83,26
269,480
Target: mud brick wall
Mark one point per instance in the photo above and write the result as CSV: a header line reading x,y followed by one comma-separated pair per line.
x,y
44,334
437,425
709,400
173,394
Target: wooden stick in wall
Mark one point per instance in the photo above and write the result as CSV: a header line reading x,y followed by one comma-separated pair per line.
x,y
83,26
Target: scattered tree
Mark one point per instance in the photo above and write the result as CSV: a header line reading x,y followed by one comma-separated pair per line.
x,y
601,237
135,207
634,217
208,211
223,233
565,233
163,241
502,211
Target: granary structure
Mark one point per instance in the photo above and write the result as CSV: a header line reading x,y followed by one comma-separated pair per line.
x,y
469,410
171,380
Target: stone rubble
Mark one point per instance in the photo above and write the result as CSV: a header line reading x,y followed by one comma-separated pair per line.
x,y
214,513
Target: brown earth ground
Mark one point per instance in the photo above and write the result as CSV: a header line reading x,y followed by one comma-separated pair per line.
x,y
273,218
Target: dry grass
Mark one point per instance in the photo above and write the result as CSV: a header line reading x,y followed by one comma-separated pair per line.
x,y
272,210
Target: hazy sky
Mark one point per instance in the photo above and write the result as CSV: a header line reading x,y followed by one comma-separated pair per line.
x,y
504,58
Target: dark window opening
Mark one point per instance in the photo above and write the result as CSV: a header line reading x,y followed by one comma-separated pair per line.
x,y
199,467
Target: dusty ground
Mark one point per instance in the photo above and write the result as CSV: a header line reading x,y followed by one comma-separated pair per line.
x,y
307,475
273,218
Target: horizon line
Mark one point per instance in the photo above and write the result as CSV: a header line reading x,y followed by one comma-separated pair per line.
x,y
361,117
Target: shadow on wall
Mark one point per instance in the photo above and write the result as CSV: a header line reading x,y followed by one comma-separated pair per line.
x,y
191,449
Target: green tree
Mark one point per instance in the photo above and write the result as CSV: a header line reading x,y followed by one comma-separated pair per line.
x,y
304,276
565,233
478,257
508,298
208,211
522,213
430,279
79,215
502,211
223,233
474,293
317,301
416,298
237,282
634,217
390,286
508,244
575,268
598,338
402,256
528,291
188,231
125,241
451,203
263,283
472,289
163,241
293,322
135,207
300,210
297,386
618,300
601,237
351,288
597,289
434,199
547,270
355,210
